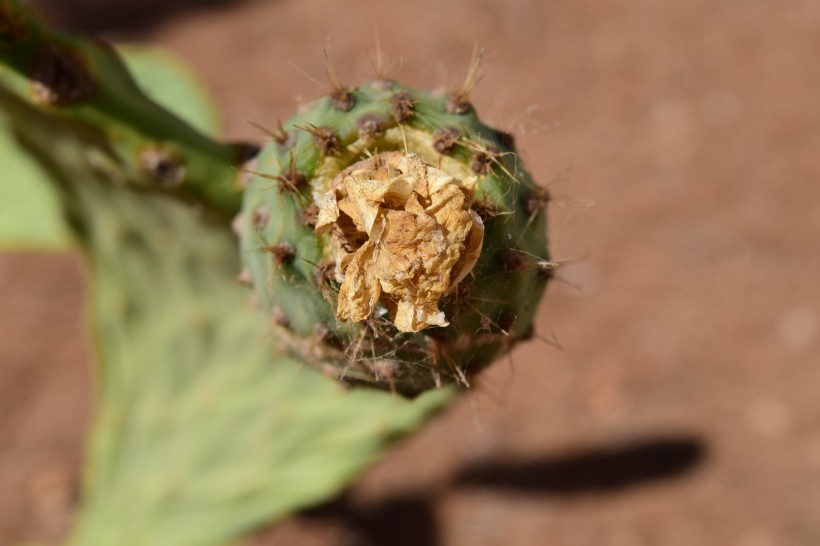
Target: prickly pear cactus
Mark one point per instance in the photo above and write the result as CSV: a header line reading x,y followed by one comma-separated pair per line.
x,y
393,238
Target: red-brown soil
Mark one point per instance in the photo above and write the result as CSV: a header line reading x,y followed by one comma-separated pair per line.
x,y
681,143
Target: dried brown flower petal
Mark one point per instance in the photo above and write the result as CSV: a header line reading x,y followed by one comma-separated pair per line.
x,y
361,289
401,229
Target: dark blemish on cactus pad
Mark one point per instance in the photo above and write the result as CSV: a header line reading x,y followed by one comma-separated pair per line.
x,y
291,179
12,28
342,99
327,141
512,261
59,78
369,126
402,106
282,254
457,105
162,164
482,162
445,139
260,218
535,200
506,322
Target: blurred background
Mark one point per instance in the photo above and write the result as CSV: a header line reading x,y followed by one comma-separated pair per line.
x,y
681,143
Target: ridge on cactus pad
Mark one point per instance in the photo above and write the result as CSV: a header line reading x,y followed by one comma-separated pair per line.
x,y
393,239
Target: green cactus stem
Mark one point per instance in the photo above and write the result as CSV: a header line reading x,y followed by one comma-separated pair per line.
x,y
85,82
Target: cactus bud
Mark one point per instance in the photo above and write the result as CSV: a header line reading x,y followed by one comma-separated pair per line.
x,y
415,238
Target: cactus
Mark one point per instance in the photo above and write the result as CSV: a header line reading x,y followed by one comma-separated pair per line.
x,y
392,241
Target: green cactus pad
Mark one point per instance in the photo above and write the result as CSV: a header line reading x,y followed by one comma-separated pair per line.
x,y
203,431
292,268
30,214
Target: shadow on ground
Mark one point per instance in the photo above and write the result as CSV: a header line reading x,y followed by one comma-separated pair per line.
x,y
124,16
410,518
605,470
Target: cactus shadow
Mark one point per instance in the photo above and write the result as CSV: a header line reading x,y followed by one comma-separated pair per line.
x,y
601,470
402,520
411,518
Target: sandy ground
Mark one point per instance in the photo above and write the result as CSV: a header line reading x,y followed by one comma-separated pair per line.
x,y
680,140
